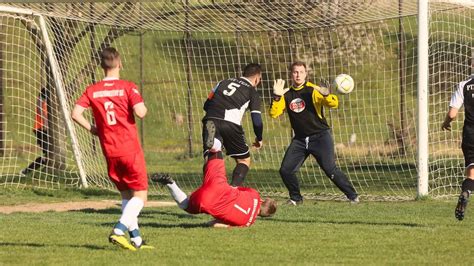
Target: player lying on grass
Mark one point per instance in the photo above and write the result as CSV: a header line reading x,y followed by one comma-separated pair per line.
x,y
230,206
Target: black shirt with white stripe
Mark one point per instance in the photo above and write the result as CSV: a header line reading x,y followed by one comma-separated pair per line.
x,y
464,95
230,99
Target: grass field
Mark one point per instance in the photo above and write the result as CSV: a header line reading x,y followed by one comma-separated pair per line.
x,y
323,232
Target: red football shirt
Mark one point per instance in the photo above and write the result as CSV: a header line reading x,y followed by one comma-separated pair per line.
x,y
236,206
112,102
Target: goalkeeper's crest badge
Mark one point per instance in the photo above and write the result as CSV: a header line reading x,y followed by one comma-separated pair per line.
x,y
297,105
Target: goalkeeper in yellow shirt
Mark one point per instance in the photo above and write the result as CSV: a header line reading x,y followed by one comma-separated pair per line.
x,y
304,103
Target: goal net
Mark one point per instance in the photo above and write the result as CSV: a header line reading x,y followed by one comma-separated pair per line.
x,y
176,51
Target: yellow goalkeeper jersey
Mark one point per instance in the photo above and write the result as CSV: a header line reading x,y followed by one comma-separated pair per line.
x,y
304,105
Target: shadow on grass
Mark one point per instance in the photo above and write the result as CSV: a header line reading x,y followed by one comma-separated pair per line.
x,y
116,211
143,214
33,245
36,245
164,225
178,225
181,215
352,223
153,214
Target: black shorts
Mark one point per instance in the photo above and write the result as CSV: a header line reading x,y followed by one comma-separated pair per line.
x,y
232,137
468,146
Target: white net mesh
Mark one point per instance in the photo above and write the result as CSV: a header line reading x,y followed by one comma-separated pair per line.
x,y
177,50
24,73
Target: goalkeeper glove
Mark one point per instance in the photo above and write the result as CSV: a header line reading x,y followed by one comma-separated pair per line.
x,y
279,87
323,90
323,87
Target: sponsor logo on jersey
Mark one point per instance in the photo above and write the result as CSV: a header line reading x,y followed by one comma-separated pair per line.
x,y
108,93
254,209
297,105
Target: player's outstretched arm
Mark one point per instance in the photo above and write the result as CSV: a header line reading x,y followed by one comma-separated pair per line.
x,y
78,116
329,100
278,102
258,129
217,224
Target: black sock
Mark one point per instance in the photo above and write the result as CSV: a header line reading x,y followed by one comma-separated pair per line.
x,y
238,176
215,155
468,184
38,163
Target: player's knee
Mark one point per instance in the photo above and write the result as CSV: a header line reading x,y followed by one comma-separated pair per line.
x,y
330,170
284,172
141,194
468,184
245,161
470,171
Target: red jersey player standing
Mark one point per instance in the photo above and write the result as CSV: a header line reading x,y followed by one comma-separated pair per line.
x,y
230,206
114,102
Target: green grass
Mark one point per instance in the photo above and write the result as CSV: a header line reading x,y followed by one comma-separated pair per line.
x,y
323,232
12,196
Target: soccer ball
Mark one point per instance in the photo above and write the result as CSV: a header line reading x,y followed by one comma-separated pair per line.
x,y
344,83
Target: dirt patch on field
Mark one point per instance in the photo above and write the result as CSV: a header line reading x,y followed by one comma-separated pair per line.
x,y
74,206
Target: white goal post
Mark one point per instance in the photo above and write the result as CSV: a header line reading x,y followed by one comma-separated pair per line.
x,y
405,57
423,120
59,85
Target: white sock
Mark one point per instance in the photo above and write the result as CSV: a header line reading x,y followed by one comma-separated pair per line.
x,y
217,146
118,231
178,195
131,211
134,225
124,203
137,240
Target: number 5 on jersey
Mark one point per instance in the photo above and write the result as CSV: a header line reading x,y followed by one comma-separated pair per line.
x,y
110,114
231,88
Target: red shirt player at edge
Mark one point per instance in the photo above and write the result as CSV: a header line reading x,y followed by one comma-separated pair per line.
x,y
114,103
230,206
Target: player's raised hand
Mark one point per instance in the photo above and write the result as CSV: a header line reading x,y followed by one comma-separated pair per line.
x,y
257,144
323,88
217,224
279,87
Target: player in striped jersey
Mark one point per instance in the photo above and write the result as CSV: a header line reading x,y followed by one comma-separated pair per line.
x,y
225,106
464,96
